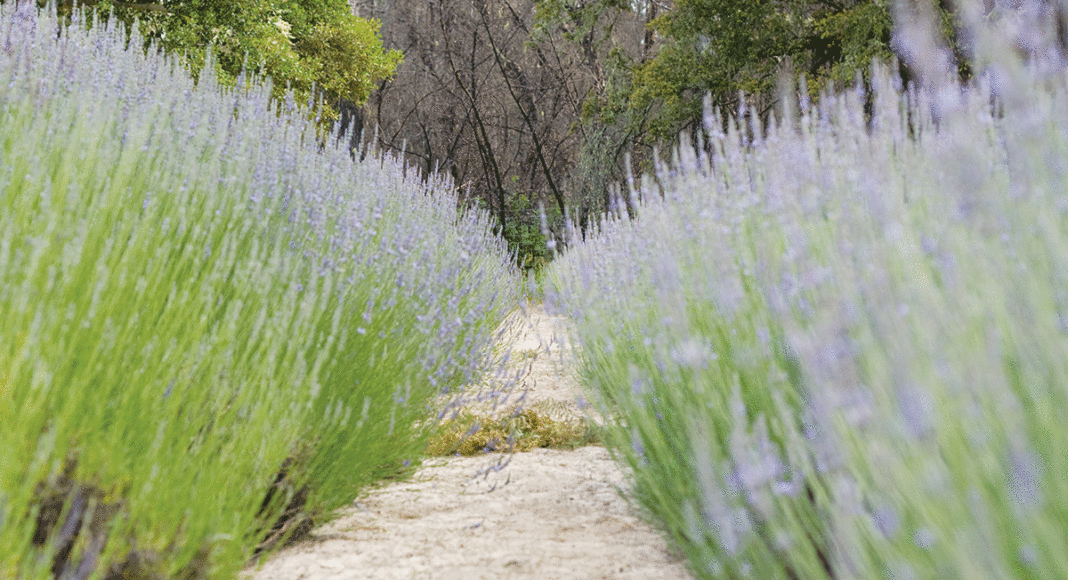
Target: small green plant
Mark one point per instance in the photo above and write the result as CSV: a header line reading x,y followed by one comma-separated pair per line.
x,y
524,231
522,429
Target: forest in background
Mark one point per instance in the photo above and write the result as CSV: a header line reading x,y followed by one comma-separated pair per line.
x,y
538,107
553,104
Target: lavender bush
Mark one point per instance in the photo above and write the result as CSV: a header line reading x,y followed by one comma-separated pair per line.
x,y
836,347
209,319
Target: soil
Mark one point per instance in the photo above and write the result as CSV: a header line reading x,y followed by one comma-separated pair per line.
x,y
546,514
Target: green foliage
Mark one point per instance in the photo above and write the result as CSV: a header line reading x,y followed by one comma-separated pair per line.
x,y
523,429
720,48
714,46
524,233
860,35
579,20
316,48
695,50
346,55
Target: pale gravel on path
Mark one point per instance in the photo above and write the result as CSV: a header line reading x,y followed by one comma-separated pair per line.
x,y
545,514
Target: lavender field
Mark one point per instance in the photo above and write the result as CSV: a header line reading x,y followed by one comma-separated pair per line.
x,y
215,326
837,346
833,345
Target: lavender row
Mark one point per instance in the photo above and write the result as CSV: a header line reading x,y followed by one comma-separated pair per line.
x,y
216,324
834,347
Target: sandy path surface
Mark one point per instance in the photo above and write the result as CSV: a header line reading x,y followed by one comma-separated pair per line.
x,y
546,514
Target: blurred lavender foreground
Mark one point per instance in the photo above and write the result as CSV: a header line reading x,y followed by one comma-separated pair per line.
x,y
837,346
213,328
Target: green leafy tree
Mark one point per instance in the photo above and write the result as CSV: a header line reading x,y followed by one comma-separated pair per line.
x,y
845,42
726,47
717,47
693,49
317,48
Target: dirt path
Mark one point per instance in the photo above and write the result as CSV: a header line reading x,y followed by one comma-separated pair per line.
x,y
545,514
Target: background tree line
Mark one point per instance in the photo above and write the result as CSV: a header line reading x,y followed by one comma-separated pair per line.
x,y
540,103
319,49
530,103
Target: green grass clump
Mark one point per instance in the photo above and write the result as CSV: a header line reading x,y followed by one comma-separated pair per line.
x,y
209,319
538,426
836,347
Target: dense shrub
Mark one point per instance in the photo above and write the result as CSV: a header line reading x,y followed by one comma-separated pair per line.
x,y
208,320
835,347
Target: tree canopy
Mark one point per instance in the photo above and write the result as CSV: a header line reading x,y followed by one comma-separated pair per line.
x,y
317,48
723,48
